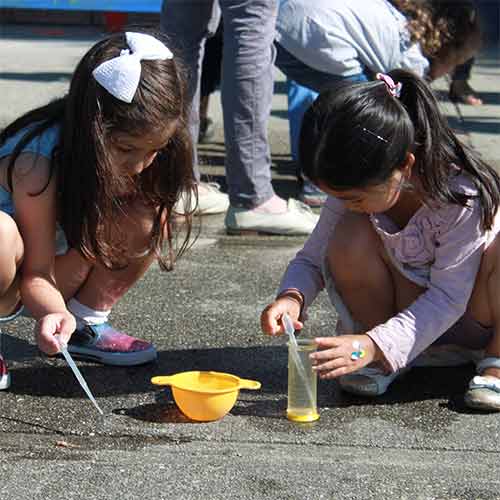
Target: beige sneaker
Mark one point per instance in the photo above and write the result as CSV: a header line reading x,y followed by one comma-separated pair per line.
x,y
211,200
299,219
369,381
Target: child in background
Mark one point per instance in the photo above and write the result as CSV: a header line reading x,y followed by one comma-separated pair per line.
x,y
87,186
460,89
320,43
406,244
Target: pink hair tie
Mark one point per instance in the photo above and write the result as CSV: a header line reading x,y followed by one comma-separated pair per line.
x,y
393,88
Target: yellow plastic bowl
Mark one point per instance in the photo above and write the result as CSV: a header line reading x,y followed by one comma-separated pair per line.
x,y
205,396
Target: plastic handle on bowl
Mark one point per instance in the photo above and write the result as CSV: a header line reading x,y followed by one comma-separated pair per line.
x,y
162,380
249,384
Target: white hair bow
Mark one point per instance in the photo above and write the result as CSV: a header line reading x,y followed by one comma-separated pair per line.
x,y
121,75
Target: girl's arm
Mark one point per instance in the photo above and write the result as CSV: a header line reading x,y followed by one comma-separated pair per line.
x,y
303,278
36,219
452,278
304,272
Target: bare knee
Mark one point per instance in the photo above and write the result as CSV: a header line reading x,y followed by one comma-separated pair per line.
x,y
137,227
352,248
11,251
11,243
483,304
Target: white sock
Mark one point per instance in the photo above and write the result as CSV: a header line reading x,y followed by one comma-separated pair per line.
x,y
85,315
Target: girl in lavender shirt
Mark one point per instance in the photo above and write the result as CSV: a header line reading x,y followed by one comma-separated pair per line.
x,y
406,244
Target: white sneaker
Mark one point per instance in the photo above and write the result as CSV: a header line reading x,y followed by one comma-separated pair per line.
x,y
369,381
211,200
484,391
299,219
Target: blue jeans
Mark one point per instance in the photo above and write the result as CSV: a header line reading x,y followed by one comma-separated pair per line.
x,y
299,99
304,84
247,83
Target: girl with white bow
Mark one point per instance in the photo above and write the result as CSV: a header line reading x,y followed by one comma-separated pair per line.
x,y
87,189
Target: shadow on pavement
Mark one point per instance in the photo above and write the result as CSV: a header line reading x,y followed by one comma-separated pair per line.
x,y
487,97
156,413
35,77
166,412
51,377
479,125
421,384
36,33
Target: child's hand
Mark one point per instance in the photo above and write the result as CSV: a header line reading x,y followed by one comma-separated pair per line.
x,y
47,326
270,319
337,356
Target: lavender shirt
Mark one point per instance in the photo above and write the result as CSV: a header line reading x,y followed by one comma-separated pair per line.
x,y
440,248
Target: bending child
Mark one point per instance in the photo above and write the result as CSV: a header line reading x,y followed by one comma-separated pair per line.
x,y
323,42
87,186
406,244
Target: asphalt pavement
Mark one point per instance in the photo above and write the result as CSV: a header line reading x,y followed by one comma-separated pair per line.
x,y
418,441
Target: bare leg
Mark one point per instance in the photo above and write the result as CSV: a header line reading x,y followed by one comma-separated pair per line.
x,y
11,255
371,288
103,288
484,305
72,270
96,286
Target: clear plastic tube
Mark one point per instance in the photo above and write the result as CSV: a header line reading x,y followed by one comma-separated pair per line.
x,y
302,382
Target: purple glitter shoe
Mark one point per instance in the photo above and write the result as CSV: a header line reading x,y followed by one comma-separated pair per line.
x,y
4,374
103,344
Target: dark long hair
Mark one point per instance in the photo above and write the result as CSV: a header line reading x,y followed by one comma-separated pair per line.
x,y
88,183
355,135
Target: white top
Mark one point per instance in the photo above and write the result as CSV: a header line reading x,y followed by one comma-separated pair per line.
x,y
342,37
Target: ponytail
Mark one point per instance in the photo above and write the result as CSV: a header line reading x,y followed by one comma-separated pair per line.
x,y
438,151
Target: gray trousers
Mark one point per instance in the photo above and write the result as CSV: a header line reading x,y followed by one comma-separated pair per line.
x,y
247,83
